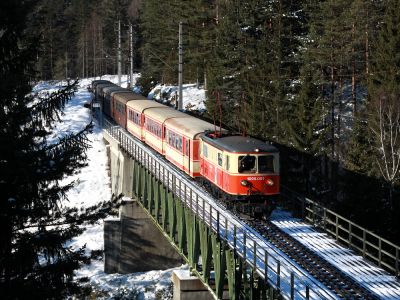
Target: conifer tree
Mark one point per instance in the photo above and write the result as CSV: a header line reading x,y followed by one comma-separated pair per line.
x,y
306,126
254,63
359,148
34,259
309,110
159,23
159,42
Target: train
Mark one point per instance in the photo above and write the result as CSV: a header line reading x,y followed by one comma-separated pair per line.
x,y
241,171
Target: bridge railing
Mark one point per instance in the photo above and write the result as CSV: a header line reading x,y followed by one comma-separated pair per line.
x,y
370,245
291,281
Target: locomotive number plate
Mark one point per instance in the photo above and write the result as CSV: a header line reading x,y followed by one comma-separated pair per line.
x,y
255,178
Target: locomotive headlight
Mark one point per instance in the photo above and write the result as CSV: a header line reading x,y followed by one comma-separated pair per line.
x,y
270,182
244,183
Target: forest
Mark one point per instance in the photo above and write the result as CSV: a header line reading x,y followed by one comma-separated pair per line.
x,y
320,79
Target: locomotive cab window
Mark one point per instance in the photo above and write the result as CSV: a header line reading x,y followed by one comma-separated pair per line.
x,y
247,164
266,164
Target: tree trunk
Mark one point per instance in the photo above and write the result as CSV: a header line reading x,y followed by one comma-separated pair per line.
x,y
353,76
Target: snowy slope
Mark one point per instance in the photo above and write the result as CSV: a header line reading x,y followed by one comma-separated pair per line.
x,y
93,186
193,97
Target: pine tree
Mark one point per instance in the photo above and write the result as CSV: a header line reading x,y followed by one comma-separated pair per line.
x,y
159,23
224,68
34,259
309,110
359,150
159,43
306,126
255,61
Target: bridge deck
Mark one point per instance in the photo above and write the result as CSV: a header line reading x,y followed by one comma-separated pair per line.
x,y
373,278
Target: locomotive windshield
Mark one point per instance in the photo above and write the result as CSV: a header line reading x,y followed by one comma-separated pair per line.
x,y
266,164
247,164
259,164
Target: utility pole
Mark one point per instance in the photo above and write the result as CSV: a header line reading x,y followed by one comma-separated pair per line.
x,y
131,44
66,65
119,52
180,69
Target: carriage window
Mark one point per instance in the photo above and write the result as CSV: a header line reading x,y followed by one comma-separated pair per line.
x,y
179,143
266,164
205,151
136,118
227,162
247,164
187,148
220,159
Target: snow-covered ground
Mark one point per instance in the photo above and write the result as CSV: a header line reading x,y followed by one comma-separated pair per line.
x,y
375,279
93,186
193,97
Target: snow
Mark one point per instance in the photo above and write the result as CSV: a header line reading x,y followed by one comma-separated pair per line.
x,y
113,78
92,187
193,97
367,274
141,285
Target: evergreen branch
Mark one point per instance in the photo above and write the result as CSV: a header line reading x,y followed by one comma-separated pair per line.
x,y
73,217
73,143
49,108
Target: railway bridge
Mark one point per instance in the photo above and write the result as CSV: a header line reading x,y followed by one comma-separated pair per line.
x,y
230,257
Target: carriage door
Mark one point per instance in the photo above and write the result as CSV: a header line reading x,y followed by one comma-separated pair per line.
x,y
186,154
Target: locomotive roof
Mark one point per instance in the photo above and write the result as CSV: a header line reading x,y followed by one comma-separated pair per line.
x,y
141,105
125,96
189,126
161,114
239,144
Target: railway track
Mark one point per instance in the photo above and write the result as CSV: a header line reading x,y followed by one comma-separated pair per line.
x,y
333,278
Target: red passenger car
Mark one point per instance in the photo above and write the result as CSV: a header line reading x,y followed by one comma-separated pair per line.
x,y
119,100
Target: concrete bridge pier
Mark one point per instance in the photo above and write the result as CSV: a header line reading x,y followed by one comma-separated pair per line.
x,y
121,167
189,287
133,243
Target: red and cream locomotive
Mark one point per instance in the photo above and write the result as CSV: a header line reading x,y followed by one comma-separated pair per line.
x,y
242,170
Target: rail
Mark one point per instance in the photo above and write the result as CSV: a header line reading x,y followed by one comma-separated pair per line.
x,y
292,282
368,244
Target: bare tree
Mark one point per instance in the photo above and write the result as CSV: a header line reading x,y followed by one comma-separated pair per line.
x,y
385,127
